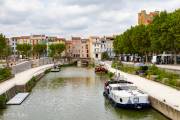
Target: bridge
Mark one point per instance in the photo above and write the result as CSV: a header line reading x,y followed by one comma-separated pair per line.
x,y
80,61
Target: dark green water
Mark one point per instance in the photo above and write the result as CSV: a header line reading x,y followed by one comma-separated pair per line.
x,y
72,94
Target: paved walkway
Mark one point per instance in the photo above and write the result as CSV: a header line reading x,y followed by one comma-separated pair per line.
x,y
22,78
154,89
170,67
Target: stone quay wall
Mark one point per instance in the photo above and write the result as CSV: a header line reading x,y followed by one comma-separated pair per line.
x,y
30,64
165,109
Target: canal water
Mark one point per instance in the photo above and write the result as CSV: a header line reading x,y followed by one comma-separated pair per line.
x,y
72,94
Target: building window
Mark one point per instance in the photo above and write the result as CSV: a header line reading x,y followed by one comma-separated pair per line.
x,y
121,100
96,55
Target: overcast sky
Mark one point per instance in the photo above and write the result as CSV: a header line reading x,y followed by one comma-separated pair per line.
x,y
67,18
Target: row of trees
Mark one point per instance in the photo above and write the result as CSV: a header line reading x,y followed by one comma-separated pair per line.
x,y
26,50
162,35
54,50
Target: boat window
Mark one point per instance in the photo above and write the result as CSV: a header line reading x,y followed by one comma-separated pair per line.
x,y
128,87
121,100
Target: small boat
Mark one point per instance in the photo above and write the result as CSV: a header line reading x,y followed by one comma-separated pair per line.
x,y
125,94
100,69
56,68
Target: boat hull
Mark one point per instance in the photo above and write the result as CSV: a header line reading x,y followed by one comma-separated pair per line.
x,y
132,106
127,106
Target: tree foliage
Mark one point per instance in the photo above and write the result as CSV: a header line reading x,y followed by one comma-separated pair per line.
x,y
5,50
162,35
39,49
55,50
3,43
104,56
24,49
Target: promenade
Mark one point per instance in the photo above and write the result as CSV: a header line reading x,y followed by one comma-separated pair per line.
x,y
22,77
163,93
170,67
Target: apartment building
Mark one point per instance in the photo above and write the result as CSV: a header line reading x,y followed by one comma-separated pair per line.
x,y
84,53
69,48
13,44
98,45
109,46
76,47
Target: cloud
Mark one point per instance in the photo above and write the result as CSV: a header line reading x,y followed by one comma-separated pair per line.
x,y
74,17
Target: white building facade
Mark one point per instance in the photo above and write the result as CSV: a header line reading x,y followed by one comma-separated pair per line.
x,y
100,45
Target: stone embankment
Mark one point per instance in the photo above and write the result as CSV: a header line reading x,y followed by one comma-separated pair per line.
x,y
22,82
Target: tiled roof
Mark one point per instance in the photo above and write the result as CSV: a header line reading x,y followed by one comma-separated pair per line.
x,y
24,37
76,38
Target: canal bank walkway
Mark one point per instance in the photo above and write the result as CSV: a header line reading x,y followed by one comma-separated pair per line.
x,y
22,78
166,94
170,67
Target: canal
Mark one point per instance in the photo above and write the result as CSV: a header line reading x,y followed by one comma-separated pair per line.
x,y
72,94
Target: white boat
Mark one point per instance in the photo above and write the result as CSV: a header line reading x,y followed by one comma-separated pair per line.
x,y
127,95
55,69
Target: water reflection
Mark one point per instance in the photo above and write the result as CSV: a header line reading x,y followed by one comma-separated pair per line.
x,y
72,94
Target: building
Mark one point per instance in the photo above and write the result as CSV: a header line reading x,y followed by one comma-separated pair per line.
x,y
92,41
13,44
84,53
38,39
76,47
145,19
23,40
109,46
56,40
32,39
99,45
69,48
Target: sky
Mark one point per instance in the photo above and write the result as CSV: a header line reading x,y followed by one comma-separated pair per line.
x,y
66,18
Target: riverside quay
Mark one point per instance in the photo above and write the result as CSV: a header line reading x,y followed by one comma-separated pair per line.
x,y
89,60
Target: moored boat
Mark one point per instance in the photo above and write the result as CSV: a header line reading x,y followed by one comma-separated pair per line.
x,y
56,68
126,95
100,69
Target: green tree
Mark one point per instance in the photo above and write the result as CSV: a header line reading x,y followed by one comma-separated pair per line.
x,y
104,56
24,49
5,50
3,43
140,40
162,35
39,49
55,50
174,32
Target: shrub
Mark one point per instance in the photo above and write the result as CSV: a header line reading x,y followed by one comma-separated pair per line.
x,y
47,71
104,56
153,70
116,64
3,101
110,74
4,73
162,74
31,83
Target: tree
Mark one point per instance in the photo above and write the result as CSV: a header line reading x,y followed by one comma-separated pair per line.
x,y
174,32
55,50
24,49
162,35
140,40
39,49
5,50
104,56
3,43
